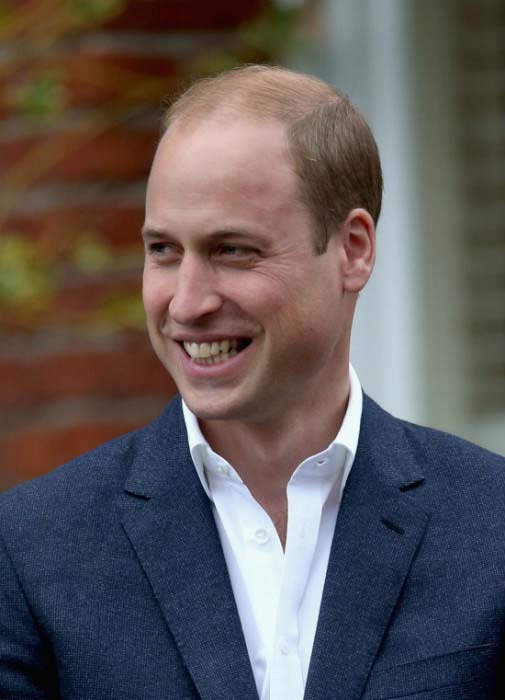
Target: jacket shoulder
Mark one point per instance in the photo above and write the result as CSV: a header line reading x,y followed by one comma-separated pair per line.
x,y
87,484
441,457
102,465
453,452
461,478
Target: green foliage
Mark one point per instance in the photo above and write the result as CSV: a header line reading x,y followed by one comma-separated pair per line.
x,y
90,254
120,311
5,11
268,37
41,96
93,11
273,31
33,273
25,276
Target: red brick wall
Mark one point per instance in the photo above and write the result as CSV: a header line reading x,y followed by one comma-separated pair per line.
x,y
79,109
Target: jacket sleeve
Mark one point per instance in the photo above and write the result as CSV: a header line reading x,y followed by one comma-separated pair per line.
x,y
27,669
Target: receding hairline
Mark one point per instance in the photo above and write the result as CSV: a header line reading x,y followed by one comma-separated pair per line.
x,y
333,151
261,92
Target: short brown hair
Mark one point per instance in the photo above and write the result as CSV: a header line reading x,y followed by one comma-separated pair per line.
x,y
333,149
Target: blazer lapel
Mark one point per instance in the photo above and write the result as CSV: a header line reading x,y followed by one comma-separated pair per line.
x,y
377,534
169,521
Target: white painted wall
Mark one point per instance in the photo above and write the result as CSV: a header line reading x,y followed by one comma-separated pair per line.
x,y
396,60
365,54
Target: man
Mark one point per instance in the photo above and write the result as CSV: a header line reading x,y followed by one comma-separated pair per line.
x,y
202,556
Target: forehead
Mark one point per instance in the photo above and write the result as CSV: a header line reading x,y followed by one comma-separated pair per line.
x,y
245,159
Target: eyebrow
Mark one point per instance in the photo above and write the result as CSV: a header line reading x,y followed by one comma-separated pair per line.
x,y
149,233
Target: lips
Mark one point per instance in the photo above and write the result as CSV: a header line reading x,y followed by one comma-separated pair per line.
x,y
216,351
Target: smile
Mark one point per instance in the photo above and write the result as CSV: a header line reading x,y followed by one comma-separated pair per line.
x,y
212,353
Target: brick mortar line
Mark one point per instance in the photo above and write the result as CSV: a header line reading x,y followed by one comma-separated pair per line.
x,y
44,197
137,118
166,44
73,412
62,341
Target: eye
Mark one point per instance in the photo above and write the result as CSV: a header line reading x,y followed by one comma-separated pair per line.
x,y
229,250
160,248
156,247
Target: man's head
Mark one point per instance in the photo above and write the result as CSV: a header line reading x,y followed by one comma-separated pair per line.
x,y
332,147
247,314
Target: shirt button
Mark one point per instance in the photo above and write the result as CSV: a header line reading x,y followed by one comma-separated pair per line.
x,y
284,647
261,536
321,462
222,469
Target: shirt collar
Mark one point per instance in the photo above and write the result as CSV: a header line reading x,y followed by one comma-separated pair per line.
x,y
338,455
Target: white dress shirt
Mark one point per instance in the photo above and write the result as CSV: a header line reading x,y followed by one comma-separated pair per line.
x,y
278,592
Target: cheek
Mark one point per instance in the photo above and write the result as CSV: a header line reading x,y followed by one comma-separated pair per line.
x,y
155,294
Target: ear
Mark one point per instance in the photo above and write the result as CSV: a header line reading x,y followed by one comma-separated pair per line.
x,y
357,236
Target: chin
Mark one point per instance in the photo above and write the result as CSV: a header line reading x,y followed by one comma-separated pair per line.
x,y
214,408
206,408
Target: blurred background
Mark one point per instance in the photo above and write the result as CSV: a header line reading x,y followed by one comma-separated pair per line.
x,y
82,87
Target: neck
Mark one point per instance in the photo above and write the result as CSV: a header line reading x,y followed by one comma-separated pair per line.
x,y
265,454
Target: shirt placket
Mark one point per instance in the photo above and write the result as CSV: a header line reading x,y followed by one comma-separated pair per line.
x,y
258,553
287,673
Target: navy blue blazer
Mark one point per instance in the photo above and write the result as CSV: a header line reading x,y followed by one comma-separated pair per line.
x,y
113,584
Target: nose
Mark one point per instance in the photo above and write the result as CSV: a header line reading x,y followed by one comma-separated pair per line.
x,y
195,294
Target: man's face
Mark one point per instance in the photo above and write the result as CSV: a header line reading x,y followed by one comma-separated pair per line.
x,y
245,316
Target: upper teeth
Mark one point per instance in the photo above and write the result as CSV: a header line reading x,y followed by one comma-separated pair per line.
x,y
203,350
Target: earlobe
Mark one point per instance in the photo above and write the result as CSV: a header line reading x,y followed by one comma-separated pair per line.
x,y
358,238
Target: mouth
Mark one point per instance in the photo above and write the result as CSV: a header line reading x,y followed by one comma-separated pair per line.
x,y
216,351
